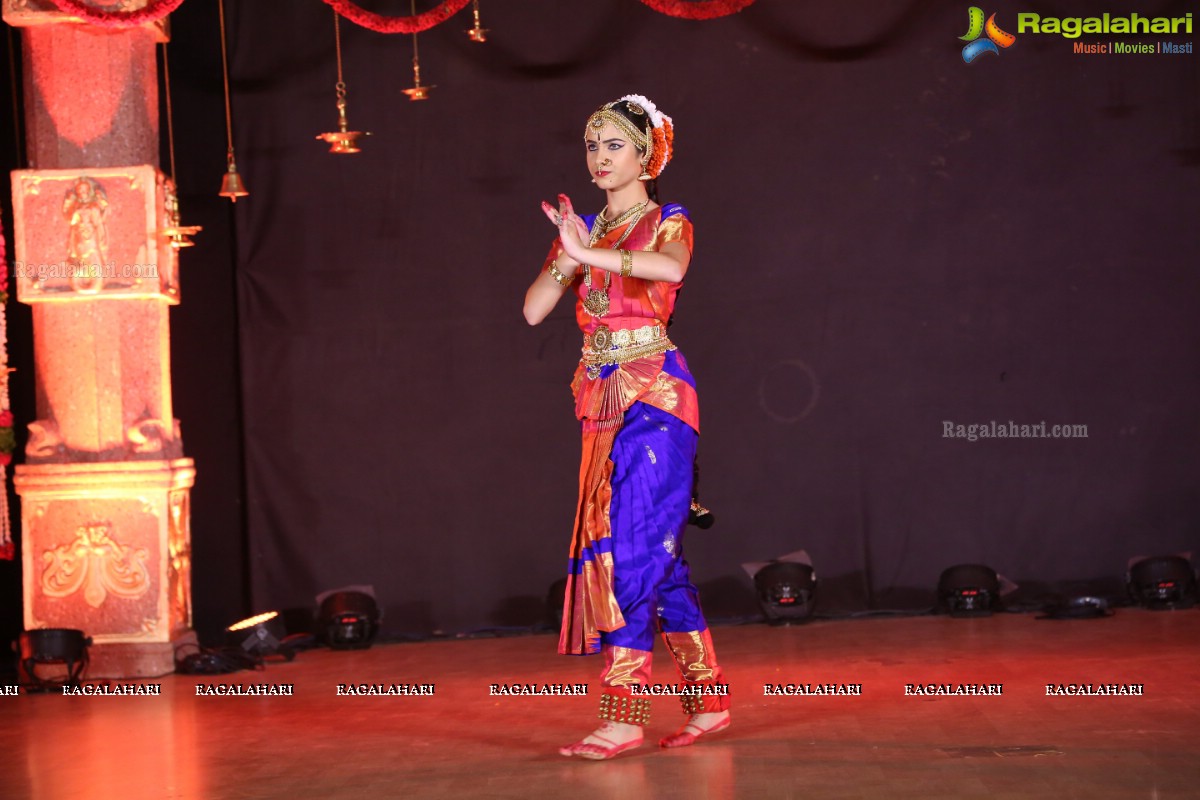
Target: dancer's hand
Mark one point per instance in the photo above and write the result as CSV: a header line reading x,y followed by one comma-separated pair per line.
x,y
572,232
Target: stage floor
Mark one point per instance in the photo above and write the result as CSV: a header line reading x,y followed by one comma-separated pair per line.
x,y
463,742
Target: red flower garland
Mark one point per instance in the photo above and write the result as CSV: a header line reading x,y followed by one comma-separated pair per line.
x,y
153,12
414,24
6,437
7,443
700,9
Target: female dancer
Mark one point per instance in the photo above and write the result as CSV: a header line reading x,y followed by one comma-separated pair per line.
x,y
637,404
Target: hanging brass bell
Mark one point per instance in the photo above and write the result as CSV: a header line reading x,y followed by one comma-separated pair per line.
x,y
231,185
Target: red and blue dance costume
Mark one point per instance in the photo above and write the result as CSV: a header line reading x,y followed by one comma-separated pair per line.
x,y
636,401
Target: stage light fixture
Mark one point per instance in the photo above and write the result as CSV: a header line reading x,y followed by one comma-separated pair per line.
x,y
65,646
260,635
786,591
968,590
348,620
1162,583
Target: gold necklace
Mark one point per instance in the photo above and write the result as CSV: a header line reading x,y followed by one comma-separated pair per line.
x,y
596,302
630,212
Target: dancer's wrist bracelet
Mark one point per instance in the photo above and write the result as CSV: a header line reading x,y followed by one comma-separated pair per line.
x,y
559,278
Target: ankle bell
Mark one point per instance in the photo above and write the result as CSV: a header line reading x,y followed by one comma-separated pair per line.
x,y
625,708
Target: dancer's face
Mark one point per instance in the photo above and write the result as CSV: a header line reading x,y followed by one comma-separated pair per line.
x,y
612,159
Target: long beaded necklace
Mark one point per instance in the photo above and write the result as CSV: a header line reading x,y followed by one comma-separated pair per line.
x,y
596,302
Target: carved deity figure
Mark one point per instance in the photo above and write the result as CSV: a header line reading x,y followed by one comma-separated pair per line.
x,y
85,207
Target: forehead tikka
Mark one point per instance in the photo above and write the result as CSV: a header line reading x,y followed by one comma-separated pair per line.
x,y
605,115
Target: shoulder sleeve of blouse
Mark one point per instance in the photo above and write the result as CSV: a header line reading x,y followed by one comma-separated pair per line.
x,y
674,226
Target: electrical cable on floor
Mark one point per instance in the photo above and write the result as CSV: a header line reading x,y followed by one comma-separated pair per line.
x,y
216,660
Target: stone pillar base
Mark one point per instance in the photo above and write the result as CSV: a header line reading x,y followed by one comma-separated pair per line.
x,y
107,550
137,660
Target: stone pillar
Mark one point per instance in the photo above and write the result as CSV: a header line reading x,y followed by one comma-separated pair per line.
x,y
105,487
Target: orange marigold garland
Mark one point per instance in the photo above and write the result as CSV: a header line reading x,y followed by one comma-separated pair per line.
x,y
414,24
664,146
700,9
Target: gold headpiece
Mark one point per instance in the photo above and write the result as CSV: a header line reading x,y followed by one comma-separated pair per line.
x,y
642,139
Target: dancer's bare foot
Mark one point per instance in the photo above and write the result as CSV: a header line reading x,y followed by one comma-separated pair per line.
x,y
697,725
608,740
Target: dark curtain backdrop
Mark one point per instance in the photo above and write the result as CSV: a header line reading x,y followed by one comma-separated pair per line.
x,y
887,239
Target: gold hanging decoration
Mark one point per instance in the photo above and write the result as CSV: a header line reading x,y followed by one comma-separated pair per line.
x,y
417,92
478,33
343,140
180,235
231,184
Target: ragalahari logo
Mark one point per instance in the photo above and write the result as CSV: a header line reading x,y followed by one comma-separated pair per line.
x,y
996,38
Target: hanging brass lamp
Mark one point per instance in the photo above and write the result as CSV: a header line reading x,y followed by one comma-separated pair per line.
x,y
417,91
178,234
478,33
343,140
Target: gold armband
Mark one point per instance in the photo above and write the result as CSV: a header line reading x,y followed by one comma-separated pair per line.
x,y
558,276
626,263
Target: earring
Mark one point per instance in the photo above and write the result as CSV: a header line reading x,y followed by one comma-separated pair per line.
x,y
645,176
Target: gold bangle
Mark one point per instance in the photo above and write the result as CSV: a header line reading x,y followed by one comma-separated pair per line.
x,y
557,276
626,263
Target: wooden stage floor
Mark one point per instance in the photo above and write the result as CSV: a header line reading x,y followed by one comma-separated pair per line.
x,y
462,742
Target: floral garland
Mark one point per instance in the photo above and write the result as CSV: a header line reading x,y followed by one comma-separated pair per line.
x,y
700,9
664,144
153,12
414,24
7,443
662,132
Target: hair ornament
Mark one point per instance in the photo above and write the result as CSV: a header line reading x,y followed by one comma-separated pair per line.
x,y
656,116
662,135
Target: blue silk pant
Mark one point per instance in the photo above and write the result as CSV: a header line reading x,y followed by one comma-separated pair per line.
x,y
653,456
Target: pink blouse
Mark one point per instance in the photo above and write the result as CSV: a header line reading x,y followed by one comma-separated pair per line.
x,y
660,380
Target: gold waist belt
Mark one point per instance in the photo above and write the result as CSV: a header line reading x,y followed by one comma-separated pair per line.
x,y
604,346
